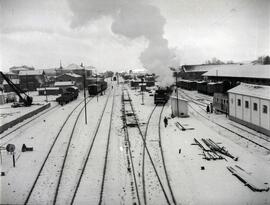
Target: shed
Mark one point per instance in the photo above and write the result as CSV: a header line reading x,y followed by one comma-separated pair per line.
x,y
182,106
49,91
249,105
63,85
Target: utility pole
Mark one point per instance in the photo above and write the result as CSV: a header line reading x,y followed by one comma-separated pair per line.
x,y
45,79
84,94
176,90
97,85
176,93
142,80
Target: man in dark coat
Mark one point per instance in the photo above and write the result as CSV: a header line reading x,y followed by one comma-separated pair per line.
x,y
165,121
207,109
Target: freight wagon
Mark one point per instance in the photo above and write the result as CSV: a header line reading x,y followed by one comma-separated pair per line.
x,y
202,87
68,96
187,84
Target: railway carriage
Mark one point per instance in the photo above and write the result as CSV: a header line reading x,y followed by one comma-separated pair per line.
x,y
187,84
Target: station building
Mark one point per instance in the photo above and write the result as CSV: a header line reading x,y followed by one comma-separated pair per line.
x,y
249,105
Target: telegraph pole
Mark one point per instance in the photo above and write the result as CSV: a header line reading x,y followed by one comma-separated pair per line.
x,y
97,85
176,93
142,90
176,90
84,94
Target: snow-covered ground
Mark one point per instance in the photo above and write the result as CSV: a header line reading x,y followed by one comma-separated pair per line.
x,y
190,184
8,113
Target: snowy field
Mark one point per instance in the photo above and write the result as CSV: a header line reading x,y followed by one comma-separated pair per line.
x,y
91,163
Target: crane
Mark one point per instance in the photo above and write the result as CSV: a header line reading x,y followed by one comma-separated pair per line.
x,y
26,100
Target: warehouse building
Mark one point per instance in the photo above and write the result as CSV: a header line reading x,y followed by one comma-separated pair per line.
x,y
31,79
236,73
249,105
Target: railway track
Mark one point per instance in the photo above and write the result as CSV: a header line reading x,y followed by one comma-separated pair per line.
x,y
159,112
230,130
128,145
86,158
50,150
107,152
153,165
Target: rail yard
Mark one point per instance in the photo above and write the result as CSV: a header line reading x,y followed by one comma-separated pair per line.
x,y
125,154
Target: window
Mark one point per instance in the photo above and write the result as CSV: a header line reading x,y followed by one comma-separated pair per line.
x,y
246,104
255,106
238,102
232,100
265,109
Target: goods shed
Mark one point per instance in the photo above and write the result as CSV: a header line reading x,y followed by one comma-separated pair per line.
x,y
249,105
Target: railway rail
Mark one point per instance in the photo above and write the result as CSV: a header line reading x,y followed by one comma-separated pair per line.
x,y
130,157
86,158
142,136
50,150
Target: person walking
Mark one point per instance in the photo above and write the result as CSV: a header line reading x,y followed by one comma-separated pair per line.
x,y
207,109
211,107
165,121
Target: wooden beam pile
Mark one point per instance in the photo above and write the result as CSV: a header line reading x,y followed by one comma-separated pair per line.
x,y
216,148
208,154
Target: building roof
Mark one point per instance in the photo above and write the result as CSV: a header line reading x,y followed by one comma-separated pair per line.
x,y
48,88
31,72
259,91
15,81
198,68
19,68
73,66
240,71
64,83
74,75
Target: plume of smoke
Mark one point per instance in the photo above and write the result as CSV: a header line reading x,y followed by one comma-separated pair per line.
x,y
132,19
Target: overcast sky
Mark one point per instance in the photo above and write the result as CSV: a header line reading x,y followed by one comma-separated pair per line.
x,y
121,34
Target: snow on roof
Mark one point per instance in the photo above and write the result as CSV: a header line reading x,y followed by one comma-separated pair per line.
x,y
10,73
198,68
31,72
142,70
48,88
73,66
214,83
243,71
260,91
72,75
90,68
64,83
15,81
184,80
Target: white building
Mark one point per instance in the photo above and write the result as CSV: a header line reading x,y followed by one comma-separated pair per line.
x,y
249,105
182,109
